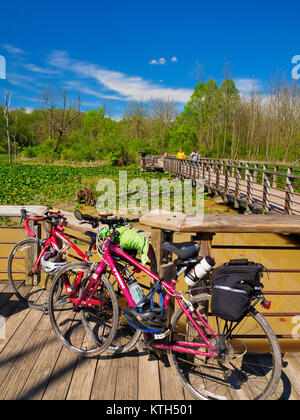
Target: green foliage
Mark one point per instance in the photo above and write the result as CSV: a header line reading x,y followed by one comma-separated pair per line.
x,y
216,121
48,184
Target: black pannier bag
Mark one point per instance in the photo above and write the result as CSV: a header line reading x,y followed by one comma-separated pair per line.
x,y
234,285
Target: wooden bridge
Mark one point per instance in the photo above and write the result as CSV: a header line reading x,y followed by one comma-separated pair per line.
x,y
257,187
34,365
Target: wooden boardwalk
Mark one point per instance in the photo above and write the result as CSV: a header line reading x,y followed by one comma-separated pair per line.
x,y
243,184
35,366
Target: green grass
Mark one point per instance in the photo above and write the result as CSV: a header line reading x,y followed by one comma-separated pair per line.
x,y
44,184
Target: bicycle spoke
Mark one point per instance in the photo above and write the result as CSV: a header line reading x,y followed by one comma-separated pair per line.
x,y
236,371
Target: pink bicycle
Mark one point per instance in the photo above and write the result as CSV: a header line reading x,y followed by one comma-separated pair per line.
x,y
213,357
33,262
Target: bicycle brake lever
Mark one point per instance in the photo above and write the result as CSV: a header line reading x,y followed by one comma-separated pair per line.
x,y
20,222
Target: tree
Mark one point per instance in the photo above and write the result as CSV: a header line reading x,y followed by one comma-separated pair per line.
x,y
7,101
59,113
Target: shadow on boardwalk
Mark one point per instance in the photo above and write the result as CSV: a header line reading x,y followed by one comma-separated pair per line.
x,y
34,365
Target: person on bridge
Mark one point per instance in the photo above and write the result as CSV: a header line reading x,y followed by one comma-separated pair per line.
x,y
194,156
180,154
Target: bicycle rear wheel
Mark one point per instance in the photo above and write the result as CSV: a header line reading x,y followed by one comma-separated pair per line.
x,y
126,337
68,322
31,287
248,361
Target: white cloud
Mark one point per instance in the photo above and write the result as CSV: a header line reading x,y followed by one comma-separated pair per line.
x,y
75,85
40,70
129,87
162,61
246,86
174,59
12,49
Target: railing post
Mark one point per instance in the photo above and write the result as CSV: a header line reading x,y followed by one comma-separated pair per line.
x,y
289,192
249,176
255,173
266,192
238,178
227,176
275,177
31,254
218,166
209,176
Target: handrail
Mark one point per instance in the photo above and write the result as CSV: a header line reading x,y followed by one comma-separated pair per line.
x,y
220,174
271,292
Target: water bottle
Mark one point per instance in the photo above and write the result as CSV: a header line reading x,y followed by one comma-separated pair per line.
x,y
199,271
135,291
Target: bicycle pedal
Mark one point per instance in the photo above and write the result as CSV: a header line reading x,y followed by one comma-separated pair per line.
x,y
162,335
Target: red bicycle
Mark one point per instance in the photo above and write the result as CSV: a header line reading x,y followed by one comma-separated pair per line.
x,y
33,262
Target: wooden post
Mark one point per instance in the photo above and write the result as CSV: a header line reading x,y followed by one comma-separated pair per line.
x,y
237,194
249,187
275,177
32,254
266,192
165,269
289,193
255,173
227,176
218,167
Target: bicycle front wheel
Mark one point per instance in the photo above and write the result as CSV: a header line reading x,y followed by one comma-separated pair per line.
x,y
30,286
69,323
247,365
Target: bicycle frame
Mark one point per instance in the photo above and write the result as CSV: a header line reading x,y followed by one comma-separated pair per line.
x,y
179,346
52,242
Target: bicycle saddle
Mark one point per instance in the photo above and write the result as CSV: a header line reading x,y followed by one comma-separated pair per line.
x,y
182,250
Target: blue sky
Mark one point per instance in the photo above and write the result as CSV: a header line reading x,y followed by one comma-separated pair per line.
x,y
113,52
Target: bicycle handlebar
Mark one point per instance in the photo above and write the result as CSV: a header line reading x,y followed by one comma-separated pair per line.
x,y
113,221
35,219
52,218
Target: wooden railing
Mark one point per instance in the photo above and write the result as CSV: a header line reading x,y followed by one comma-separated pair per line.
x,y
163,229
203,230
254,186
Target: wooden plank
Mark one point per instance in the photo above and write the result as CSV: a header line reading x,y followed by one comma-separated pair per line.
x,y
40,374
292,369
15,211
228,223
149,380
60,379
171,388
104,387
127,378
14,348
162,219
14,312
82,380
13,383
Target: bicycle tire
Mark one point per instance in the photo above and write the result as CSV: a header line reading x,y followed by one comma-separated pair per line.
x,y
126,337
35,296
74,336
230,383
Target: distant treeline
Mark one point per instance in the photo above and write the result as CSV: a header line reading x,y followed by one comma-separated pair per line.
x,y
217,122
